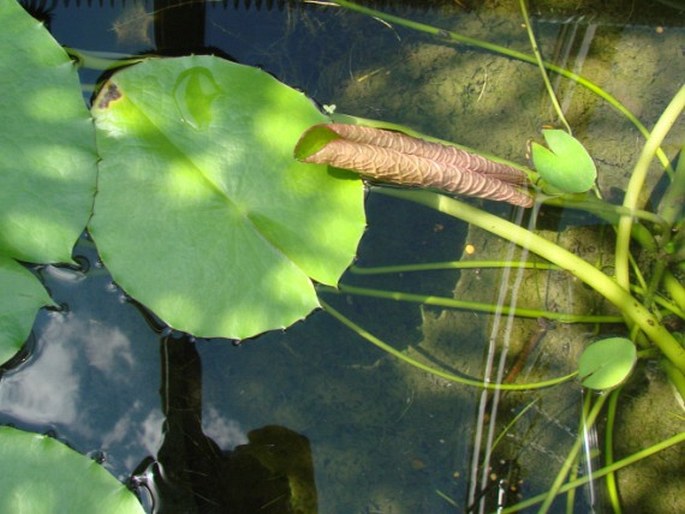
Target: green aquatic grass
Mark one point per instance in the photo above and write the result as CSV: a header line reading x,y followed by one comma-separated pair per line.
x,y
482,383
643,300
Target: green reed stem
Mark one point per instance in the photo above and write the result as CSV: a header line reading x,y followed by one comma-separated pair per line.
x,y
453,303
449,265
659,300
600,282
507,52
620,464
483,384
675,376
612,488
541,65
637,181
675,289
588,421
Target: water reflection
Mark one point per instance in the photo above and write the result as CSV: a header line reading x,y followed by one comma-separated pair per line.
x,y
47,389
271,473
92,375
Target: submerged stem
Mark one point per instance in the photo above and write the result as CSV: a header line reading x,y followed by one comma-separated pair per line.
x,y
449,265
453,303
507,52
600,282
619,464
483,384
588,421
541,65
637,180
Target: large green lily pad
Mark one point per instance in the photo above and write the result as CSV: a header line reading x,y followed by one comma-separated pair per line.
x,y
47,143
47,166
39,475
202,213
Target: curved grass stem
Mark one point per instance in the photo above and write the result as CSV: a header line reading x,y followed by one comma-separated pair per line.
x,y
483,384
619,464
452,303
612,486
507,52
541,65
588,421
449,265
637,179
600,282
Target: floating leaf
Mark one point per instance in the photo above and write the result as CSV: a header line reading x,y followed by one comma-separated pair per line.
x,y
22,295
566,165
399,159
47,166
606,363
202,213
38,474
47,143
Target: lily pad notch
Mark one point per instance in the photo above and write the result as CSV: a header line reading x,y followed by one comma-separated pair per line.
x,y
202,213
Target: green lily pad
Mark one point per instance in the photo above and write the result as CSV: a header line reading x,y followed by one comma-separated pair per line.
x,y
39,475
202,213
607,363
566,165
21,295
47,143
47,166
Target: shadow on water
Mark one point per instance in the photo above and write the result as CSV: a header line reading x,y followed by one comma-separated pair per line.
x,y
272,472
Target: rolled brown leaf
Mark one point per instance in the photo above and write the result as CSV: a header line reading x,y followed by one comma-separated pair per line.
x,y
396,158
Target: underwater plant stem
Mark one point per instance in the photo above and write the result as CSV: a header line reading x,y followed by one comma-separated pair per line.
x,y
607,211
619,464
637,179
673,201
449,265
454,303
483,384
588,421
507,52
675,377
541,65
675,290
612,488
600,282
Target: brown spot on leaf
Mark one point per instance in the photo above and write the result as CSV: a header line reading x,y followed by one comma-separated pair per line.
x,y
108,94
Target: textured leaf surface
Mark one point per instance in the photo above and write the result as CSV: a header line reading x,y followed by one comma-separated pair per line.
x,y
202,213
47,143
39,475
566,165
400,159
47,166
21,295
606,363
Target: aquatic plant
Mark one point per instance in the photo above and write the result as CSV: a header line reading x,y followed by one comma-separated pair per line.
x,y
395,158
177,161
566,170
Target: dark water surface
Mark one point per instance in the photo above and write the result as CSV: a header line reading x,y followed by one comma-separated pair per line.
x,y
107,378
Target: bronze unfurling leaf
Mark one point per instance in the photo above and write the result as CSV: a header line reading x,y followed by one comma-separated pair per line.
x,y
400,159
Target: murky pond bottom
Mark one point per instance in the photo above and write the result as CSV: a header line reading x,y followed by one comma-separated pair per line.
x,y
364,431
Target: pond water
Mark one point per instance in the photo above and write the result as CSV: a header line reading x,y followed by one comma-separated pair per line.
x,y
103,375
